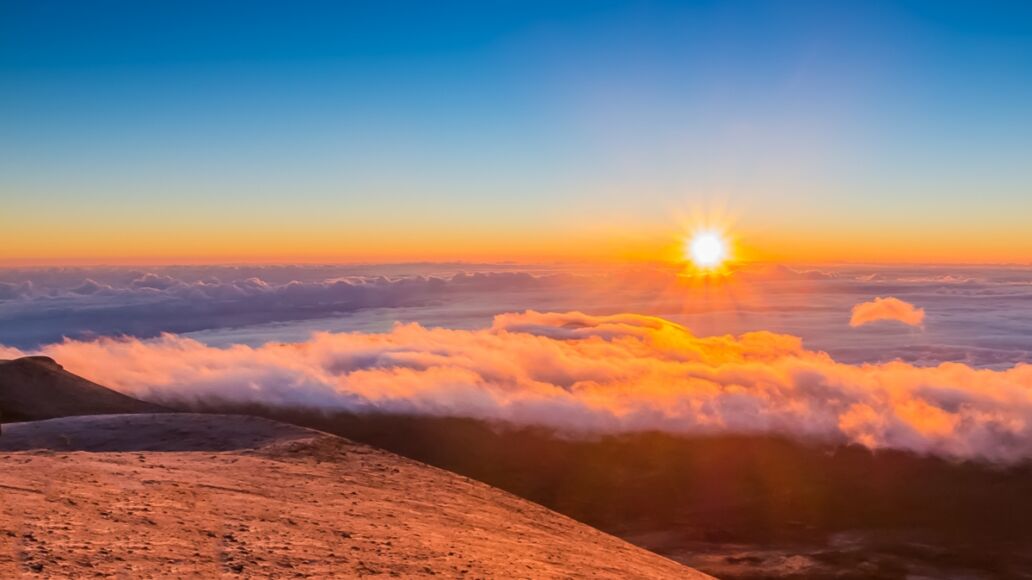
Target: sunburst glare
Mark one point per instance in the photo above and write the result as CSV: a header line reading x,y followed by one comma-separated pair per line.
x,y
707,250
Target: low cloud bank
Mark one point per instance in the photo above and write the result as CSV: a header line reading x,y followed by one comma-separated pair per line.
x,y
986,325
147,304
886,309
585,373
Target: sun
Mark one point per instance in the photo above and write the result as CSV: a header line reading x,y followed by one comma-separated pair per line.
x,y
707,250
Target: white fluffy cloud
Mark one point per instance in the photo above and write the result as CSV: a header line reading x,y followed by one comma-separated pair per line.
x,y
886,309
593,373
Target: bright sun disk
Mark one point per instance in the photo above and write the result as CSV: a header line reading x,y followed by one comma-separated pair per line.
x,y
707,250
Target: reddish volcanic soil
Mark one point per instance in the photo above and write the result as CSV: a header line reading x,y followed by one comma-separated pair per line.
x,y
181,495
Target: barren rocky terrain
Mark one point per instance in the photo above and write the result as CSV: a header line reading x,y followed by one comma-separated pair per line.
x,y
182,495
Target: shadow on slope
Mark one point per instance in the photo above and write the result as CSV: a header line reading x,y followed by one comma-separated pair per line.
x,y
737,506
151,432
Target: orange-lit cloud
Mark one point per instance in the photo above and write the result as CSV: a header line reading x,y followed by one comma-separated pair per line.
x,y
587,373
886,309
9,353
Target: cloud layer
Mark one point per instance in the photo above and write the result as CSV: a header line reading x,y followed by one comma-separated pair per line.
x,y
886,309
583,373
55,304
979,316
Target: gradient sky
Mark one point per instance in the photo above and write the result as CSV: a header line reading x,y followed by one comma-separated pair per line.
x,y
220,131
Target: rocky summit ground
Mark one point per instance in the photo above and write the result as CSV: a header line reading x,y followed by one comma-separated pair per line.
x,y
182,495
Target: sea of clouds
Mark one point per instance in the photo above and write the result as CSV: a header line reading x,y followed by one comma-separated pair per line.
x,y
925,359
979,316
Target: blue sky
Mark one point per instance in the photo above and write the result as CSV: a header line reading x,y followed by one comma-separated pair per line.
x,y
875,122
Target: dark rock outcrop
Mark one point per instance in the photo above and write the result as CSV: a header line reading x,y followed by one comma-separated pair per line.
x,y
37,387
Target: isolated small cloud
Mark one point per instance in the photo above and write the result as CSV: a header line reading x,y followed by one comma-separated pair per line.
x,y
882,309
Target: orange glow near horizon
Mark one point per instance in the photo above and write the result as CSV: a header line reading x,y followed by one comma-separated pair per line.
x,y
31,242
707,247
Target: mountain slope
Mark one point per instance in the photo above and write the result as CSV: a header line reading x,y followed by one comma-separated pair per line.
x,y
737,506
36,387
182,495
